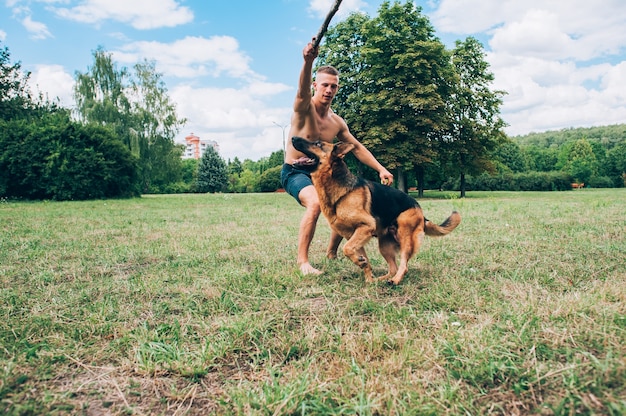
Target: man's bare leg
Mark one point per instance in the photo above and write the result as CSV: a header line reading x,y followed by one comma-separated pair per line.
x,y
308,198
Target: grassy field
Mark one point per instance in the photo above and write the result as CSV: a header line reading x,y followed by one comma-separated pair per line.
x,y
192,304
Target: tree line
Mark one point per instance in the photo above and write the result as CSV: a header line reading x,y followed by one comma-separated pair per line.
x,y
549,161
427,112
595,157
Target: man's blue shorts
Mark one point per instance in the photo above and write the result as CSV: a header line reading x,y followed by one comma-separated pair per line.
x,y
294,180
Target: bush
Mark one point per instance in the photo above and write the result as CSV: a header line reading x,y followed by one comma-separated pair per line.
x,y
600,182
526,181
270,179
246,182
55,158
172,188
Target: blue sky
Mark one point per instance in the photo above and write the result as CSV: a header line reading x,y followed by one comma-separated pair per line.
x,y
231,67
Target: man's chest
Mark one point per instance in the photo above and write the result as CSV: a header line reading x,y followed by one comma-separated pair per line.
x,y
327,127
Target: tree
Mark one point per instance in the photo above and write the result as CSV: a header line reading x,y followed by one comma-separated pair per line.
x,y
136,106
190,173
212,172
476,126
156,124
277,158
15,97
397,76
510,158
342,49
101,99
541,159
235,168
616,160
246,181
579,160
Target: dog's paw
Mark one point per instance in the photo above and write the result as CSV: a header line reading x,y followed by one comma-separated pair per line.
x,y
363,263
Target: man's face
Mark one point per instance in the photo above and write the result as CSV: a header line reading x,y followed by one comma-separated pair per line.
x,y
326,86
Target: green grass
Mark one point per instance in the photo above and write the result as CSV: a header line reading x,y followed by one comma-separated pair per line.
x,y
192,304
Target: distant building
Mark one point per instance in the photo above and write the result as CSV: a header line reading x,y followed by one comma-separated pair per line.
x,y
195,147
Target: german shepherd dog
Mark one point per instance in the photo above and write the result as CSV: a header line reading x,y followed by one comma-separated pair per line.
x,y
358,209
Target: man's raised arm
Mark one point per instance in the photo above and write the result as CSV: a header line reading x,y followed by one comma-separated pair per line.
x,y
303,96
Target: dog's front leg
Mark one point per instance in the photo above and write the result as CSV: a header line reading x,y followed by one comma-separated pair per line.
x,y
354,250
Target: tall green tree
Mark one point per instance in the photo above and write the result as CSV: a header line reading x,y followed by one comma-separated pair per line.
x,y
510,157
398,78
152,108
212,172
16,100
342,49
135,104
101,99
616,161
578,160
156,124
541,159
190,173
234,167
277,158
474,109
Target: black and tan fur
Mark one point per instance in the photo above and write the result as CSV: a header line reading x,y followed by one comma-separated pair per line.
x,y
359,209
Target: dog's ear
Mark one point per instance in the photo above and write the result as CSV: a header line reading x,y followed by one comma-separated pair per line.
x,y
342,148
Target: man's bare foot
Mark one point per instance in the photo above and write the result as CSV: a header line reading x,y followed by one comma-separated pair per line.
x,y
306,268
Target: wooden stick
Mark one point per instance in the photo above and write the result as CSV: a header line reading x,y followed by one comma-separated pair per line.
x,y
324,27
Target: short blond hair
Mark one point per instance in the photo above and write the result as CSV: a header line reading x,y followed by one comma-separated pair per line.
x,y
327,69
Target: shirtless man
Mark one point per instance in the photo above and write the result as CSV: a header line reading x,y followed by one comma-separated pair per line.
x,y
313,119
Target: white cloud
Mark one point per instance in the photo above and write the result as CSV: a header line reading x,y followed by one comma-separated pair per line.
x,y
37,30
548,95
586,29
549,56
528,37
11,3
239,119
191,57
55,82
614,85
3,35
220,108
140,14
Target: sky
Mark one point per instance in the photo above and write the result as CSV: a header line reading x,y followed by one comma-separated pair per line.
x,y
231,67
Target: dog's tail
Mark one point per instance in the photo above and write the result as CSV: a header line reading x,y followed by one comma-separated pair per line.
x,y
433,230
